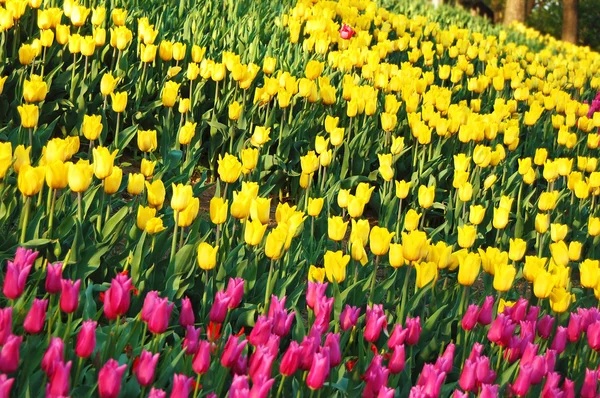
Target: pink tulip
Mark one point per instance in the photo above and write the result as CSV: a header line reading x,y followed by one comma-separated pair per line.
x,y
157,393
398,336
182,386
260,387
346,32
568,389
590,384
273,344
469,320
159,320
239,387
219,309
319,370
110,379
375,377
483,371
261,331
475,351
560,340
375,322
69,297
118,296
5,324
322,311
501,330
349,317
518,311
551,385
532,314
17,272
231,352
468,376
148,306
574,327
9,355
5,386
522,382
417,392
59,381
36,317
86,339
459,394
186,316
544,326
240,367
431,380
290,361
593,336
145,368
332,341
282,321
529,354
54,354
538,369
308,349
413,325
550,358
489,391
485,314
54,278
235,292
444,362
315,291
261,362
201,361
398,359
190,342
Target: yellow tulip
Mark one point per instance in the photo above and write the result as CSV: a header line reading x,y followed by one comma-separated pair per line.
x,y
254,232
489,181
440,254
146,140
313,69
465,192
360,231
103,162
31,179
357,250
147,167
189,214
325,158
533,266
466,236
397,145
240,206
589,272
476,214
461,162
92,126
309,163
98,15
337,136
113,181
542,222
29,115
179,50
336,228
143,215
165,50
468,269
156,193
187,132
380,239
35,90
558,232
148,53
275,243
119,15
395,255
62,34
426,196
560,253
249,158
218,210
120,37
135,184
260,210
207,256
321,144
411,220
169,93
198,53
26,54
229,168
414,245
235,110
427,272
356,206
402,188
260,136
490,257
342,198
331,123
315,205
593,226
335,264
500,219
575,250
21,157
504,276
107,84
182,196
5,158
316,274
184,107
560,299
517,249
119,101
388,121
80,176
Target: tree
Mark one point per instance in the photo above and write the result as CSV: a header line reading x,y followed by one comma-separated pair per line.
x,y
514,11
569,26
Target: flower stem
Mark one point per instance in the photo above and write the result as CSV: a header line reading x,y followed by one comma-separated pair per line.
x,y
268,288
196,387
27,205
371,291
174,240
79,208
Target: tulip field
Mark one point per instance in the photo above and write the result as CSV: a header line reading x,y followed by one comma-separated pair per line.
x,y
295,198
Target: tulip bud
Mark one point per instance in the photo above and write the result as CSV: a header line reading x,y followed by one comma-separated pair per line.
x,y
36,317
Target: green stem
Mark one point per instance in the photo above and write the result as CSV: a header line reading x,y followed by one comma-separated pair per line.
x,y
174,240
68,329
268,288
78,371
404,293
371,291
27,205
196,389
79,208
51,215
117,130
280,389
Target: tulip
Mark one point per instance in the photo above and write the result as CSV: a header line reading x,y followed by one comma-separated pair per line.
x,y
414,245
468,269
103,162
144,370
59,380
80,176
336,228
9,355
201,361
335,265
282,321
319,369
501,330
332,342
590,384
375,322
470,317
275,243
232,350
349,317
31,180
468,376
159,319
229,168
219,309
466,236
53,278
398,359
5,385
69,298
504,275
17,272
235,292
36,317
544,326
413,325
86,339
186,315
207,256
117,297
290,360
29,115
375,376
54,354
261,332
109,379
380,239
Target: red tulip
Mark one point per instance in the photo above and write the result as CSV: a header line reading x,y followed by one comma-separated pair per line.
x,y
235,292
182,385
291,358
5,324
145,368
36,317
118,296
54,354
319,370
9,355
159,320
201,361
219,309
346,32
186,316
59,381
69,298
110,379
54,278
86,339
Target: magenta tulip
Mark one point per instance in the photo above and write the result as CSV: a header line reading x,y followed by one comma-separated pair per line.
x,y
489,391
118,296
568,389
308,349
398,359
190,342
260,387
5,324
86,339
148,306
5,386
219,309
523,381
590,384
398,336
315,291
110,379
469,320
593,336
231,352
54,354
483,371
240,367
431,380
322,312
550,358
476,351
186,316
319,370
349,317
332,341
501,330
560,340
282,321
459,394
544,326
201,361
36,317
444,362
9,355
375,322
239,387
159,320
290,361
532,314
157,393
574,327
17,272
261,331
69,297
54,278
235,292
413,325
468,376
59,381
145,368
182,385
375,376
485,314
518,311
386,392
261,362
